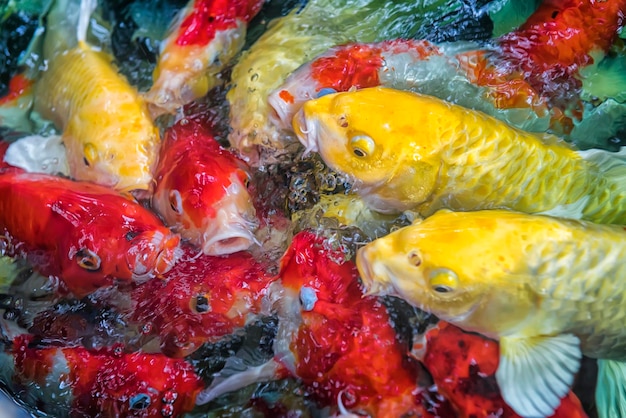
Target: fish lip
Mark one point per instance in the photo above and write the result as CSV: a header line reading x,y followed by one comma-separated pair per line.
x,y
154,257
229,240
306,131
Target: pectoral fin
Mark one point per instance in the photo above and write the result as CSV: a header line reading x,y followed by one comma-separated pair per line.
x,y
534,374
611,389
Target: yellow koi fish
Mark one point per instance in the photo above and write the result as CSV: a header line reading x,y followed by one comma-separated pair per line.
x,y
550,290
108,133
407,151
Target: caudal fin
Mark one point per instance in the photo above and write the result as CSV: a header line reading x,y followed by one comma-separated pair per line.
x,y
611,389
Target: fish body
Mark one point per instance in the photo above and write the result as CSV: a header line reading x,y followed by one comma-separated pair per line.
x,y
554,287
201,300
74,381
407,151
107,130
85,233
463,367
530,77
201,190
204,37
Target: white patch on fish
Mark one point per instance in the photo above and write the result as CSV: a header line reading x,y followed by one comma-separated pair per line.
x,y
39,154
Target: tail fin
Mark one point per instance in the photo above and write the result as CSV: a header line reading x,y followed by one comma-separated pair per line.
x,y
68,21
87,7
611,389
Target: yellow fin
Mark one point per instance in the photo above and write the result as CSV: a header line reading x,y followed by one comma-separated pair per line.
x,y
611,389
535,373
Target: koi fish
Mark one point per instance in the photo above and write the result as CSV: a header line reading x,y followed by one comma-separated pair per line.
x,y
109,136
548,289
304,33
85,233
341,345
463,366
202,299
201,191
407,151
74,381
530,78
203,38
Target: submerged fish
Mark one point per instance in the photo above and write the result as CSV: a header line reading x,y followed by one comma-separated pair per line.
x,y
107,130
201,190
549,290
74,381
530,77
292,40
201,300
341,345
410,151
204,37
463,366
86,234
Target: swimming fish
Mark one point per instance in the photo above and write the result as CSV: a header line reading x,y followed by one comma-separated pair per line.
x,y
341,345
463,366
108,133
203,38
407,151
530,77
202,299
296,38
548,289
86,234
201,190
73,381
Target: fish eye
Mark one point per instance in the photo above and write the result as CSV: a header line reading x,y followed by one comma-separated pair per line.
x,y
176,201
362,145
443,281
90,154
88,260
308,297
325,91
200,304
139,401
414,258
130,235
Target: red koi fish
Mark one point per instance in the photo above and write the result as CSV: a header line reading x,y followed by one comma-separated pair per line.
x,y
204,37
463,366
74,381
339,343
202,191
535,67
202,299
86,234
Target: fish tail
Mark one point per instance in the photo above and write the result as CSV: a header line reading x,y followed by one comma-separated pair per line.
x,y
611,389
608,204
86,9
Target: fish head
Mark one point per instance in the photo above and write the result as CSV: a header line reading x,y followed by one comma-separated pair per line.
x,y
379,139
459,266
151,253
117,155
202,299
209,204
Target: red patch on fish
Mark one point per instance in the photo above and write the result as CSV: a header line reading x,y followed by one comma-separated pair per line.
x,y
86,234
202,299
286,96
18,85
463,366
211,16
345,347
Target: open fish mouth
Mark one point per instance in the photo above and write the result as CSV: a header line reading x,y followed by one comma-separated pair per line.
x,y
229,240
153,253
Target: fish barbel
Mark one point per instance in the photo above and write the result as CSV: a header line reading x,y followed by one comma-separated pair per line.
x,y
407,151
548,289
107,129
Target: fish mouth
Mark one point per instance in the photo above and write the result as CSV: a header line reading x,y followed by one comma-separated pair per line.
x,y
374,282
152,254
306,131
228,240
